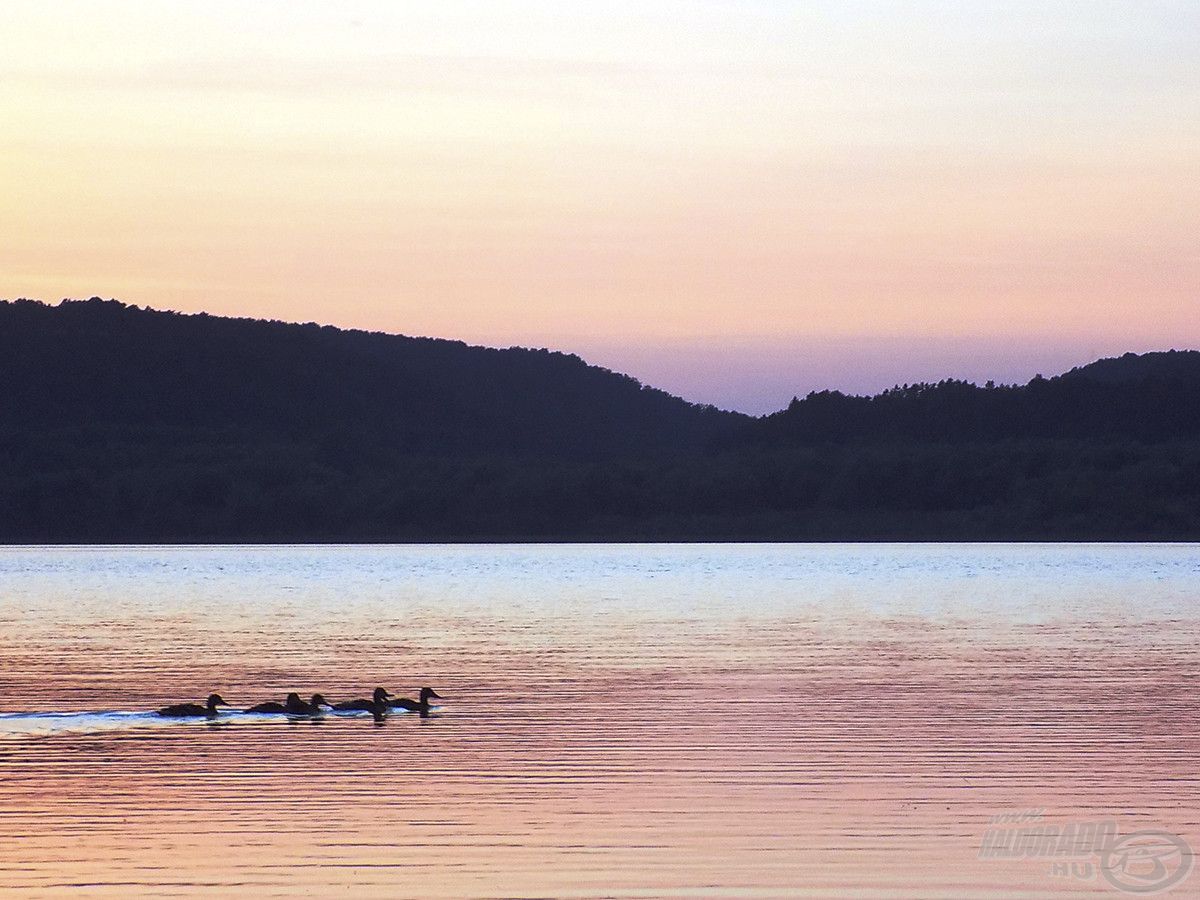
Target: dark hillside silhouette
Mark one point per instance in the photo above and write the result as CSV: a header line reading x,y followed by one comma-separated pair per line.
x,y
1155,397
126,424
1179,366
99,363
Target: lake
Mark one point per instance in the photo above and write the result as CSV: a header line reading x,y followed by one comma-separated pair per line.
x,y
864,720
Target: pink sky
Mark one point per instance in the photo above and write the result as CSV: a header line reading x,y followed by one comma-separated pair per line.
x,y
735,202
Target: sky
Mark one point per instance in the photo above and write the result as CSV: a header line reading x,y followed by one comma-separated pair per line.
x,y
737,202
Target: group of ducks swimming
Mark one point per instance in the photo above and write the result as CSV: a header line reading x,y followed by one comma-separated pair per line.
x,y
380,704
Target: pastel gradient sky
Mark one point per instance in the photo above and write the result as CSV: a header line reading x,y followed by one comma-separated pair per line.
x,y
734,201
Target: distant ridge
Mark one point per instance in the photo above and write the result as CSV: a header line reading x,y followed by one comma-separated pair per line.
x,y
127,424
101,362
1182,366
1151,397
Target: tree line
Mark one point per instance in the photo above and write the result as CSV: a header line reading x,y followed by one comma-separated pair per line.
x,y
126,424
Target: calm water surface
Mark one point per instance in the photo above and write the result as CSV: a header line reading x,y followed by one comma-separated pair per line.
x,y
722,720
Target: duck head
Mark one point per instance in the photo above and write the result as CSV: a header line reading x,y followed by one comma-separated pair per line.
x,y
427,692
381,696
318,700
215,700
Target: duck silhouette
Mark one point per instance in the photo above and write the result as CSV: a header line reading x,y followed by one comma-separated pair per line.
x,y
292,706
377,706
316,704
420,706
192,710
272,707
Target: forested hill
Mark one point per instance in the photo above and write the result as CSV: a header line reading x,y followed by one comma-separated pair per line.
x,y
1180,367
126,424
95,364
1151,397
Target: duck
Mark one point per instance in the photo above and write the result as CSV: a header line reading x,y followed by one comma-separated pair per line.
x,y
316,705
378,705
189,710
290,703
421,706
292,706
272,707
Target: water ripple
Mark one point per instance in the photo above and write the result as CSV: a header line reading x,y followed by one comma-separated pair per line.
x,y
783,721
